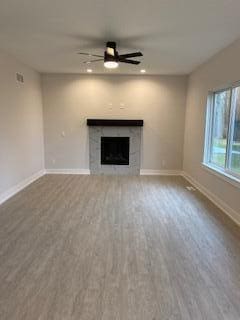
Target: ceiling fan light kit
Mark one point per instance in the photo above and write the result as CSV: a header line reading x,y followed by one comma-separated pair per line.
x,y
111,64
111,57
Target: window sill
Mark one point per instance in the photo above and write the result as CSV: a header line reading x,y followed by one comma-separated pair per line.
x,y
222,174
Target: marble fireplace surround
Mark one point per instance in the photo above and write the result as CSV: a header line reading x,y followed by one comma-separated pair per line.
x,y
114,128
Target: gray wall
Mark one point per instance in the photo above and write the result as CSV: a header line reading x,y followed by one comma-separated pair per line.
x,y
70,99
21,132
221,70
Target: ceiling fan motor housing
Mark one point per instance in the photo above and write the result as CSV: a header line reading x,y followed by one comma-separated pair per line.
x,y
111,44
111,53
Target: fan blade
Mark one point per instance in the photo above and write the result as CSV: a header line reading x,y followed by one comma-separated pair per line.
x,y
90,55
131,55
129,61
91,61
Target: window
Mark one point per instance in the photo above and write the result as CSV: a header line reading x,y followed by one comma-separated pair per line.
x,y
222,140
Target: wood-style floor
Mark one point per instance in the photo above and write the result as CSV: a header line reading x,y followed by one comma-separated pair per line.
x,y
117,248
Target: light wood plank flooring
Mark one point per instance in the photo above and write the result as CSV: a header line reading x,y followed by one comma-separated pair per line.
x,y
117,248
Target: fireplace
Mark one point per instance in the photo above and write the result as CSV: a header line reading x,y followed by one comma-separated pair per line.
x,y
115,150
115,146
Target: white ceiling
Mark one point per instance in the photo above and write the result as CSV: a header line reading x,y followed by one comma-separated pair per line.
x,y
175,36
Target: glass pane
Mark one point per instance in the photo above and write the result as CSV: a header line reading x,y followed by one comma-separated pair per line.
x,y
220,128
235,143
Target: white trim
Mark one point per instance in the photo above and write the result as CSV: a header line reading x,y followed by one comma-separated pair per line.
x,y
222,174
20,186
232,214
150,172
67,171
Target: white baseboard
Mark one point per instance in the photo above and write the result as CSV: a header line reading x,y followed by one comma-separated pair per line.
x,y
232,214
20,186
142,172
67,171
150,172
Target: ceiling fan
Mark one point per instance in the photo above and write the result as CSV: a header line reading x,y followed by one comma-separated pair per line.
x,y
111,57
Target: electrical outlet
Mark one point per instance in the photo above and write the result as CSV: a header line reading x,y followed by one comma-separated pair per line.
x,y
110,106
122,105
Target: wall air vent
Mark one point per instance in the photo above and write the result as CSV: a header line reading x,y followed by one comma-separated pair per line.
x,y
19,77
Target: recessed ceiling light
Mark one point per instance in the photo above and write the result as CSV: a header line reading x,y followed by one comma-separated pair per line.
x,y
89,70
143,71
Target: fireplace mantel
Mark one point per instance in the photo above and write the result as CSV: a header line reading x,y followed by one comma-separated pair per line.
x,y
115,122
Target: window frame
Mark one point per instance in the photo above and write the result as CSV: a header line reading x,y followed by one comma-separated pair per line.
x,y
209,121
